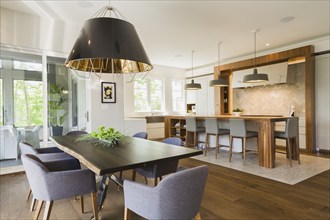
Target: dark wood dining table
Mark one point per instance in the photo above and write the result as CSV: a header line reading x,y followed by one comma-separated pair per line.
x,y
130,153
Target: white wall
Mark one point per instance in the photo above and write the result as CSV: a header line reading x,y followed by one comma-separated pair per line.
x,y
106,114
166,73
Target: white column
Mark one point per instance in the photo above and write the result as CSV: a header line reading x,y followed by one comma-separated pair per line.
x,y
45,99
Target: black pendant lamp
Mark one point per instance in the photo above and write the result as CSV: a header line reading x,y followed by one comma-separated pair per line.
x,y
255,77
219,82
108,45
192,85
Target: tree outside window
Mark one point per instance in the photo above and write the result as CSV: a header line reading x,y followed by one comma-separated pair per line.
x,y
148,95
28,107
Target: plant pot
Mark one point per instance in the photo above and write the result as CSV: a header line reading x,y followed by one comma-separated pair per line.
x,y
57,130
237,113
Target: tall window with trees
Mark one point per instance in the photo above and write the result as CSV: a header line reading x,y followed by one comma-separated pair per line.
x,y
28,107
148,95
177,95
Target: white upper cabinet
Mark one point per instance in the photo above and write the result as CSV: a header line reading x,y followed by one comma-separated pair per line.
x,y
277,73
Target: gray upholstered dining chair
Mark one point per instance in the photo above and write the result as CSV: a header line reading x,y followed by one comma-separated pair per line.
x,y
291,132
161,169
213,128
44,154
238,129
52,181
143,135
178,196
192,127
76,132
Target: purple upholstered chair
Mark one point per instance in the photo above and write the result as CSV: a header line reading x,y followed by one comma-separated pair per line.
x,y
161,169
143,135
51,181
45,155
178,196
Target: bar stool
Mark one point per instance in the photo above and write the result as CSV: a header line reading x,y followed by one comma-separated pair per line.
x,y
290,133
192,127
238,130
213,128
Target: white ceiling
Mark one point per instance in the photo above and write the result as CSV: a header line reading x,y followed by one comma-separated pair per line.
x,y
170,30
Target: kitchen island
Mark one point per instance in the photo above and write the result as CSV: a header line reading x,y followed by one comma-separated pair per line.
x,y
175,126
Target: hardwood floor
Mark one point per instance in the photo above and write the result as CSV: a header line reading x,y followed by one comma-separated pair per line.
x,y
229,194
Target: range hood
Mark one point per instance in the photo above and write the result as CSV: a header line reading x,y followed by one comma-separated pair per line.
x,y
277,73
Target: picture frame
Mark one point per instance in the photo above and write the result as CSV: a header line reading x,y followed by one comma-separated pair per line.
x,y
108,92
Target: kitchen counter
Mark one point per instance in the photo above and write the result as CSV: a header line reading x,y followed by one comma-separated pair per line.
x,y
266,143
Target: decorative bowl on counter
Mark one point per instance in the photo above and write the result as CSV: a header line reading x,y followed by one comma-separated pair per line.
x,y
237,113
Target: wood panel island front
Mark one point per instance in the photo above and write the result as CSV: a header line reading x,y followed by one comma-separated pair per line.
x,y
174,126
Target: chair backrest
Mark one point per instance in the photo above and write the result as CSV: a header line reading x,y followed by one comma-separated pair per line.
x,y
26,148
76,132
291,127
173,140
180,194
212,126
35,172
237,127
143,135
191,124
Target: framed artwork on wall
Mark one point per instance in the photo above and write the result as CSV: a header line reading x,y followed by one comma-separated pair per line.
x,y
108,92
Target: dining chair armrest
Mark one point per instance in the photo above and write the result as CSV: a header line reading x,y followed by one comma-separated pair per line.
x,y
61,165
138,197
81,182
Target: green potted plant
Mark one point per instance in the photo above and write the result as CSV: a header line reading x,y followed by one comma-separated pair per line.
x,y
237,111
56,111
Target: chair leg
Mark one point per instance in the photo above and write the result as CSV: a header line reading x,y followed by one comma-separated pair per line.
x,y
39,206
127,214
82,204
198,216
94,205
28,194
155,181
230,147
288,144
48,209
133,175
297,149
206,143
145,179
33,203
217,148
244,149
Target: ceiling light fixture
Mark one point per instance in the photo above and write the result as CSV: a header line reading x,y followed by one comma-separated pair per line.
x,y
108,45
219,82
255,76
192,85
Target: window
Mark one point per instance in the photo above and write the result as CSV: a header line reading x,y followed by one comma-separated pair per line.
x,y
1,103
28,107
30,66
177,96
148,95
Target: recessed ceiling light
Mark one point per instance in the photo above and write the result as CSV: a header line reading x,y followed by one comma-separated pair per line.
x,y
268,44
287,19
85,4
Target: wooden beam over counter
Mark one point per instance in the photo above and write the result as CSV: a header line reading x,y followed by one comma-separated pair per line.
x,y
305,53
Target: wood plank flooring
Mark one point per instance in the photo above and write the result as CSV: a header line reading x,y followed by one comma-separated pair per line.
x,y
229,194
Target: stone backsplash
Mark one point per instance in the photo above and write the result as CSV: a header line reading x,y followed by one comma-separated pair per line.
x,y
273,99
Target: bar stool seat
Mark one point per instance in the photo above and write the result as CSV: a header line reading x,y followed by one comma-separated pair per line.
x,y
213,128
192,127
238,130
291,133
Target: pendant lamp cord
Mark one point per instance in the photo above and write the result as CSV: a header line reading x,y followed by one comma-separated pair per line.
x,y
255,48
219,44
192,64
